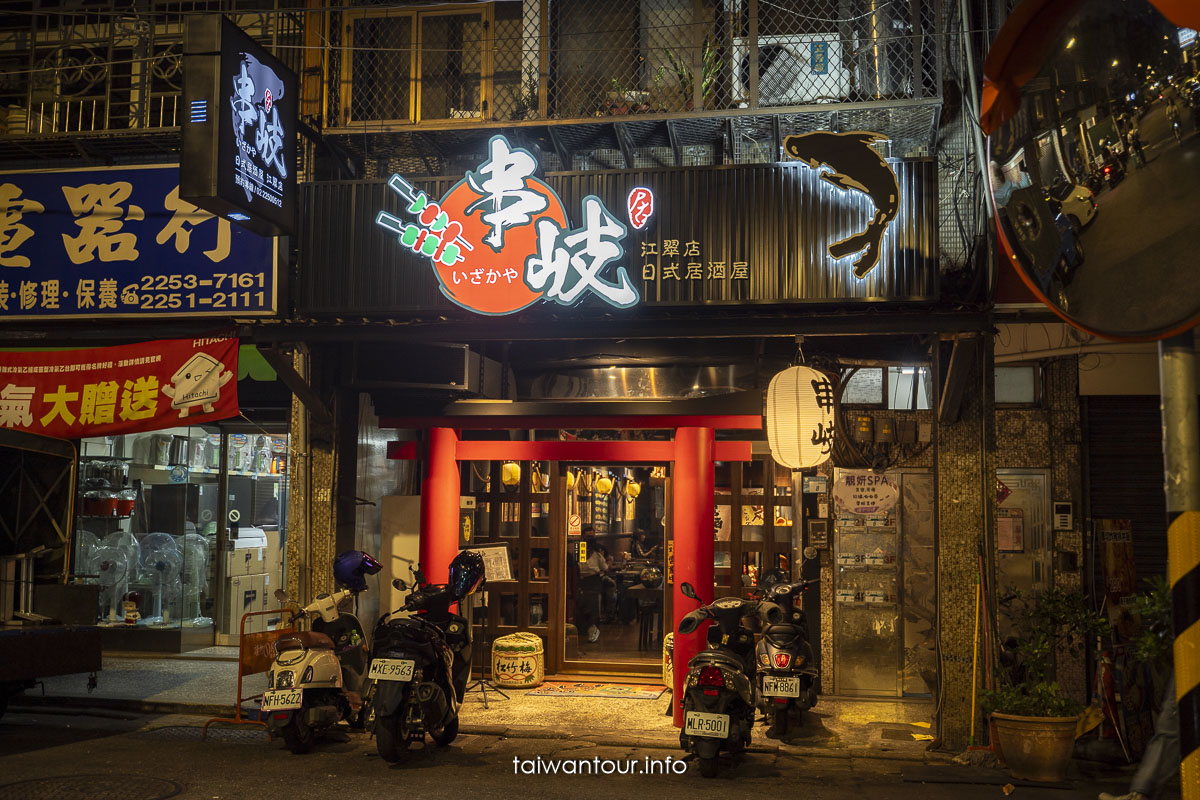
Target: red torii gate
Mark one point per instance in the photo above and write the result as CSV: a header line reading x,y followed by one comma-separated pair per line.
x,y
693,451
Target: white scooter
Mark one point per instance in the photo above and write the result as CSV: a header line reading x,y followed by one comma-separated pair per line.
x,y
317,676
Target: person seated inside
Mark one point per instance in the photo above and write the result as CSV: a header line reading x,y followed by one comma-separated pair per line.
x,y
642,549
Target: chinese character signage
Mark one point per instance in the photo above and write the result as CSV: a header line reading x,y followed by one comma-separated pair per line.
x,y
121,243
864,492
239,128
800,418
70,394
501,239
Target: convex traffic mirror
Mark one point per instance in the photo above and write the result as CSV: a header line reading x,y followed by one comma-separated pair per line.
x,y
1095,166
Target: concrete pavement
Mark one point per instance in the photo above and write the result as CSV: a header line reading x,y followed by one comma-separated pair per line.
x,y
125,756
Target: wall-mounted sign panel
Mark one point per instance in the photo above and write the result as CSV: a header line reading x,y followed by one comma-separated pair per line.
x,y
500,239
760,234
238,128
71,394
120,243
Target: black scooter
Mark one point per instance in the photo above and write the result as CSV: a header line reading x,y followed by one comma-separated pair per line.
x,y
718,702
420,665
787,674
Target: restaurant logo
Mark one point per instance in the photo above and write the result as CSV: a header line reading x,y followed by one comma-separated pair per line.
x,y
259,163
640,205
500,239
853,165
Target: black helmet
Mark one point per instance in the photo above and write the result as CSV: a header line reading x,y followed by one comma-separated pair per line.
x,y
466,573
773,576
350,566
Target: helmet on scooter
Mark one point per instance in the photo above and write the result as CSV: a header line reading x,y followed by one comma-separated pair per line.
x,y
772,577
466,573
350,567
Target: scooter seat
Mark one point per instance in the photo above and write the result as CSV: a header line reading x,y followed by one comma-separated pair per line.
x,y
307,640
716,658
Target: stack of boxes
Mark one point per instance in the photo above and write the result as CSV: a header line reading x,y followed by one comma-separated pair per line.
x,y
252,575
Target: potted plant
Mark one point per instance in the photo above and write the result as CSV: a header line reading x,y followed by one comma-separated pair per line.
x,y
1033,720
681,66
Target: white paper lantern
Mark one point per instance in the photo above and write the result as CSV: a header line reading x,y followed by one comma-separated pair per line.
x,y
800,419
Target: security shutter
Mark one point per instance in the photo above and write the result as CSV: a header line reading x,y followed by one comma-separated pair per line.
x,y
1125,473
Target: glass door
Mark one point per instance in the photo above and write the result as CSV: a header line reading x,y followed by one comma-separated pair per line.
x,y
615,532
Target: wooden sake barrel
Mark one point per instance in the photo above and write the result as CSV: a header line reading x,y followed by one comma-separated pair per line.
x,y
518,661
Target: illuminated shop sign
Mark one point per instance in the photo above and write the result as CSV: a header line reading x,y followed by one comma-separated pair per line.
x,y
853,166
500,239
239,138
121,243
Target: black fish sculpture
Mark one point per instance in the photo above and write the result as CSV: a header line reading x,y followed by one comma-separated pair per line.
x,y
855,166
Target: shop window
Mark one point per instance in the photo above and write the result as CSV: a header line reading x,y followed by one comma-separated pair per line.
x,y
1017,386
864,388
901,388
909,388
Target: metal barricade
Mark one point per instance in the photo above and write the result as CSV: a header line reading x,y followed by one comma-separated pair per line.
x,y
256,653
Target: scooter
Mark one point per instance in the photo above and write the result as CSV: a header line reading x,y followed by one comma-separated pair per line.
x,y
787,676
718,701
420,664
317,676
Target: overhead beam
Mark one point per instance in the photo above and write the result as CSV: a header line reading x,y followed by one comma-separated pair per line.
x,y
282,364
625,452
673,138
625,142
560,148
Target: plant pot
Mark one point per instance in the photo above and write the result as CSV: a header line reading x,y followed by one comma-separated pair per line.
x,y
1036,748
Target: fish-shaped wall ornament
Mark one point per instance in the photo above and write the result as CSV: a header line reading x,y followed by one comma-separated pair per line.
x,y
854,165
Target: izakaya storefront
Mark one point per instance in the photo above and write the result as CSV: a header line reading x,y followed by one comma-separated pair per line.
x,y
594,475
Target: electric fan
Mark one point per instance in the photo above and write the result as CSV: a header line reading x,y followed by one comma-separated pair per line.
x,y
111,565
195,577
160,563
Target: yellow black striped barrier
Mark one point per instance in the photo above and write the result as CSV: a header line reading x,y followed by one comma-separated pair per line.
x,y
1183,572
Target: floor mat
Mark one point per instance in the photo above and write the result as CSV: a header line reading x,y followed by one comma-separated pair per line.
x,y
623,691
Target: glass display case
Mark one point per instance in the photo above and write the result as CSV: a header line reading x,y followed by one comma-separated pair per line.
x,y
182,529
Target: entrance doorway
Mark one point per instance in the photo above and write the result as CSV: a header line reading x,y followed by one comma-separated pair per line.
x,y
616,537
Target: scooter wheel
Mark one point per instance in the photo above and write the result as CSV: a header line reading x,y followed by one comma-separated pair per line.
x,y
447,734
708,767
391,738
779,724
297,735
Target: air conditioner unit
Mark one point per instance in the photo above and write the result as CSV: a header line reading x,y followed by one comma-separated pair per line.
x,y
796,69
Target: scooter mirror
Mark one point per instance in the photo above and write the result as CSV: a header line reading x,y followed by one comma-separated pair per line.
x,y
399,584
686,589
1097,154
810,553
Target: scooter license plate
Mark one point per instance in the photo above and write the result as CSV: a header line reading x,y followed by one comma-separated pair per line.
x,y
713,726
780,686
391,669
282,699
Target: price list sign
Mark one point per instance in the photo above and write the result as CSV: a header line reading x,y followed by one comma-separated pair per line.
x,y
120,243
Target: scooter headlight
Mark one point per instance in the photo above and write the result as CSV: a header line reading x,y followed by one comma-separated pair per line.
x,y
285,679
307,676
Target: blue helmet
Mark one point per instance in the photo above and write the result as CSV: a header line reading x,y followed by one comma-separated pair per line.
x,y
350,567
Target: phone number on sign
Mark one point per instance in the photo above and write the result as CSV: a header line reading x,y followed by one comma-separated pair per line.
x,y
161,292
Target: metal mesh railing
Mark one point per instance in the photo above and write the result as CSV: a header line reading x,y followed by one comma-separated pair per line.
x,y
105,70
511,61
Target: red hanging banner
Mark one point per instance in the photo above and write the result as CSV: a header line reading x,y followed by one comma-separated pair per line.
x,y
71,394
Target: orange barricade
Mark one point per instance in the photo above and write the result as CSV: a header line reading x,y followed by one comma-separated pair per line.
x,y
256,653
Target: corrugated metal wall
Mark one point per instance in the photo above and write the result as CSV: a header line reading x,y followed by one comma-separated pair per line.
x,y
1125,473
777,219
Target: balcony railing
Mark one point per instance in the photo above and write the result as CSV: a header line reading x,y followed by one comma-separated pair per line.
x,y
108,71
509,62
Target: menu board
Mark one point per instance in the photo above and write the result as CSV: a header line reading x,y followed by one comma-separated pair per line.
x,y
496,565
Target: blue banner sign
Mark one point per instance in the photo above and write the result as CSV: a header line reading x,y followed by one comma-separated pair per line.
x,y
120,243
818,58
